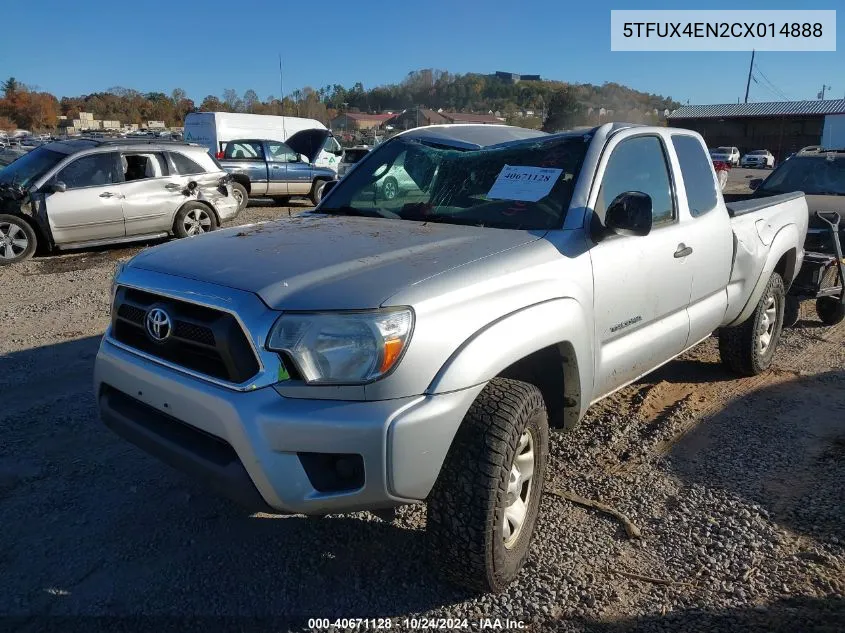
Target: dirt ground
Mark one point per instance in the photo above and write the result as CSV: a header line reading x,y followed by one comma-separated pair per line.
x,y
736,485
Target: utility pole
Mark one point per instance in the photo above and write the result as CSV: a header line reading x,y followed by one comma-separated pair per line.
x,y
821,93
748,83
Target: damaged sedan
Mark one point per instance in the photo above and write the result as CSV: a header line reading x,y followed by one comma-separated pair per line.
x,y
91,192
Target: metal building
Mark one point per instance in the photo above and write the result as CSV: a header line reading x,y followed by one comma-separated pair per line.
x,y
781,127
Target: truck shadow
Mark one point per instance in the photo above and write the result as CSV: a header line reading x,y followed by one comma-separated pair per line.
x,y
93,526
791,615
792,461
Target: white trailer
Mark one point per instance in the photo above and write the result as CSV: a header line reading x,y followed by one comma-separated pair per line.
x,y
215,129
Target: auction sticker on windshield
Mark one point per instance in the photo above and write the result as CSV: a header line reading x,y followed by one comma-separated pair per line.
x,y
528,184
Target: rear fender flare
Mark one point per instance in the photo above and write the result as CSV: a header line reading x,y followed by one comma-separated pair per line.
x,y
785,240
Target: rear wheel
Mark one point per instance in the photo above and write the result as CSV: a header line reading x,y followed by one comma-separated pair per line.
x,y
194,219
240,194
484,506
830,310
17,239
317,192
748,348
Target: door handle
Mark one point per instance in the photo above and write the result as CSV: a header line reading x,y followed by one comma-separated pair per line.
x,y
173,186
107,194
683,250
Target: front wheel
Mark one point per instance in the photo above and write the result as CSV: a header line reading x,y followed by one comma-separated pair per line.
x,y
748,348
193,219
17,240
484,506
390,188
830,310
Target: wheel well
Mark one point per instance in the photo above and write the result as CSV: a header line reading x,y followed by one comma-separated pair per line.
x,y
554,371
203,203
243,180
786,267
43,244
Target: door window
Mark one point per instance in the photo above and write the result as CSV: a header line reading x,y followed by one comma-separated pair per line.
x,y
244,150
143,166
281,153
639,164
94,170
697,172
184,166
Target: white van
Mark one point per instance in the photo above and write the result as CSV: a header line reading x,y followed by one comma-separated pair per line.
x,y
215,129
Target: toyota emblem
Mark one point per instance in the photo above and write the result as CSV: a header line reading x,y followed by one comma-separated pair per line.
x,y
158,324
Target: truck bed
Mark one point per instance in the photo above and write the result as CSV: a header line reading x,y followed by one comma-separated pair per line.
x,y
740,204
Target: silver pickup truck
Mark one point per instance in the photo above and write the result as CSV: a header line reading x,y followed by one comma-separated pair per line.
x,y
380,352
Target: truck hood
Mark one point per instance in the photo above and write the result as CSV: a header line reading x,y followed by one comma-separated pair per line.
x,y
319,262
308,142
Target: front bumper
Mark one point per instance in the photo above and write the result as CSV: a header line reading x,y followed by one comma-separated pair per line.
x,y
249,445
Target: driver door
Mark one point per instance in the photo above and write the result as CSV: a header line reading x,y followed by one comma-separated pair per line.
x,y
91,208
642,285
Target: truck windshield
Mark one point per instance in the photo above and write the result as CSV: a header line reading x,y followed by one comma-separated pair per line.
x,y
30,166
814,175
525,185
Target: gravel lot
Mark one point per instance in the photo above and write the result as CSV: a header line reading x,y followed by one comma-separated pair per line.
x,y
736,485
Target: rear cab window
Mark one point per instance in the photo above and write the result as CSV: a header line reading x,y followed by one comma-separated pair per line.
x,y
697,174
243,150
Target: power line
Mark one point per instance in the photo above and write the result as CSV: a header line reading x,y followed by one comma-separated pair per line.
x,y
776,90
767,88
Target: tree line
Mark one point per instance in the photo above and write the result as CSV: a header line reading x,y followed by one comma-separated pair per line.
x,y
551,104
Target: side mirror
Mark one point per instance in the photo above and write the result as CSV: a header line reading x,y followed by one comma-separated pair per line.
x,y
331,184
301,158
754,183
57,187
630,214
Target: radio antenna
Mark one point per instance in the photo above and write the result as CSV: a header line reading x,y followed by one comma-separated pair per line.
x,y
282,89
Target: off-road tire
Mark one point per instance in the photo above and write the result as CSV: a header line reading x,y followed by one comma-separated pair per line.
x,y
791,311
16,227
830,310
239,190
466,506
316,193
179,228
738,345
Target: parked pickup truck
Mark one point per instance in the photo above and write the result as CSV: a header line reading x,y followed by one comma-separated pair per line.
x,y
379,352
278,170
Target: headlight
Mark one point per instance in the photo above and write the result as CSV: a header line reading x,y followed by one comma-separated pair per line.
x,y
343,347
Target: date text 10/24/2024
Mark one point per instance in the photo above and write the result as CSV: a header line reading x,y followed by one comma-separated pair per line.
x,y
405,623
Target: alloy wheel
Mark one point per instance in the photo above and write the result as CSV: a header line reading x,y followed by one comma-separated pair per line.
x,y
13,240
197,221
520,487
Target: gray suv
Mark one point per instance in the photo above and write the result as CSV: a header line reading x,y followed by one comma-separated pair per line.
x,y
87,192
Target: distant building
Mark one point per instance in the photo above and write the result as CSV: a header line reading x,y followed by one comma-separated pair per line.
x,y
514,78
782,127
155,125
417,117
357,121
